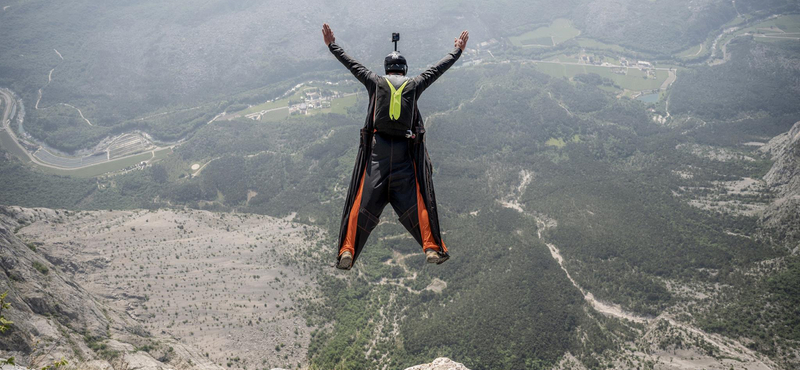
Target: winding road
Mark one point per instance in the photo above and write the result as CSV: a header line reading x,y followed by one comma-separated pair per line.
x,y
41,156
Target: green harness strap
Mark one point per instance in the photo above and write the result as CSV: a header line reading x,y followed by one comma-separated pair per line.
x,y
397,99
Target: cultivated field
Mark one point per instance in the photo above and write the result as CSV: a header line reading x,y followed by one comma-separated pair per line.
x,y
781,28
634,79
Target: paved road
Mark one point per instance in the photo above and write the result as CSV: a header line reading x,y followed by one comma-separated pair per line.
x,y
8,106
69,162
672,77
44,158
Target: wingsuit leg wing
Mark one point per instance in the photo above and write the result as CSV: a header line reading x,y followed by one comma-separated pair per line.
x,y
349,237
426,193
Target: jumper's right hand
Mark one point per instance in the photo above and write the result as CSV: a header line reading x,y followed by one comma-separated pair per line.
x,y
461,41
327,34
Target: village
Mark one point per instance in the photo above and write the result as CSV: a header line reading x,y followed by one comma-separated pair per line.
x,y
642,65
622,67
310,100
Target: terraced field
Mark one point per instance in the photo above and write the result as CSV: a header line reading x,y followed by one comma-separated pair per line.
x,y
128,144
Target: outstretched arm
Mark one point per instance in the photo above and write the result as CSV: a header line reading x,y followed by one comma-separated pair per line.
x,y
363,74
429,76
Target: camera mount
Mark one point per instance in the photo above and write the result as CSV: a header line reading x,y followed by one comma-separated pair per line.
x,y
395,39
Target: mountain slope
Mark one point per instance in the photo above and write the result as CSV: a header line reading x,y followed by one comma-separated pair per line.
x,y
179,289
54,317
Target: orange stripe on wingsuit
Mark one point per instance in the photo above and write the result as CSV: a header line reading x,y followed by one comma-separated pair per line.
x,y
352,220
424,223
352,223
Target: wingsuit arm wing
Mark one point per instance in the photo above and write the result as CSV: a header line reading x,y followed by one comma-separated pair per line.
x,y
358,70
428,77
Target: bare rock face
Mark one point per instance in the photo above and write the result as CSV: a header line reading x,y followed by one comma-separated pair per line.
x,y
783,215
441,363
785,151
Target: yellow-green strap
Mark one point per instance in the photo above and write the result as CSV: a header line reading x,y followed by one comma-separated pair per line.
x,y
397,99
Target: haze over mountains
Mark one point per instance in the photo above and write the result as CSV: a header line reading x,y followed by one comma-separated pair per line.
x,y
617,183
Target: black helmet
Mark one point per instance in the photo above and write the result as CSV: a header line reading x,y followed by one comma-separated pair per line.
x,y
395,62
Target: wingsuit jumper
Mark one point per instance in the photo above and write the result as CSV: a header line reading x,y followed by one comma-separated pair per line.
x,y
392,165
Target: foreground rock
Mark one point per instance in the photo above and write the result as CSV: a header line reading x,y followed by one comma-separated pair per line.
x,y
441,363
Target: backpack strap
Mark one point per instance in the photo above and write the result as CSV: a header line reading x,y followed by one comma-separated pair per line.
x,y
369,128
396,101
415,127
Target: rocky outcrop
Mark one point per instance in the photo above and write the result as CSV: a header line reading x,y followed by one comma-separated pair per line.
x,y
785,151
441,363
783,179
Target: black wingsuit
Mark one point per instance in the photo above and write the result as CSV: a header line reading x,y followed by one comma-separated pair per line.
x,y
390,167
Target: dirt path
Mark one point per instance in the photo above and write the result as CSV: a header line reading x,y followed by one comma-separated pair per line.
x,y
698,51
670,80
49,79
436,285
79,112
667,107
602,307
560,104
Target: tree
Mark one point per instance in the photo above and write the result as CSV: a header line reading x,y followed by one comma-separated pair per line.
x,y
4,324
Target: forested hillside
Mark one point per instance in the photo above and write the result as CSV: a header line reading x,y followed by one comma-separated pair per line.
x,y
587,224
